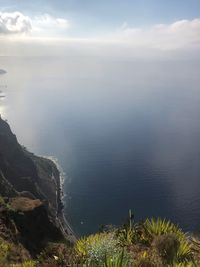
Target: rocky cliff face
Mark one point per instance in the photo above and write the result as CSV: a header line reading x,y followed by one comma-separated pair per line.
x,y
30,187
23,173
27,222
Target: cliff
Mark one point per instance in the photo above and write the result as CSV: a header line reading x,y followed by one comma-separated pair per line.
x,y
23,173
30,191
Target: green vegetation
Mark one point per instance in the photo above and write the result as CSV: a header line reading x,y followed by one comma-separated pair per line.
x,y
25,264
96,247
157,227
2,202
4,250
152,243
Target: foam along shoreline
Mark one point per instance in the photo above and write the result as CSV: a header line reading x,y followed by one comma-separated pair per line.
x,y
61,219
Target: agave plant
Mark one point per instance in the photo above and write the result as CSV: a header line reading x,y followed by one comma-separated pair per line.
x,y
181,250
184,252
157,227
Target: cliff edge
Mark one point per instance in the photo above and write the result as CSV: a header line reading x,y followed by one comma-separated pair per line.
x,y
30,187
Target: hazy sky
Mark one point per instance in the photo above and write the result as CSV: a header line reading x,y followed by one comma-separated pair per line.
x,y
108,14
139,26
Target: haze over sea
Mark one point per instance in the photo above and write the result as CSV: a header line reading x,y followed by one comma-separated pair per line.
x,y
125,131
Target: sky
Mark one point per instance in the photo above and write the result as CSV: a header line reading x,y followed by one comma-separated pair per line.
x,y
156,25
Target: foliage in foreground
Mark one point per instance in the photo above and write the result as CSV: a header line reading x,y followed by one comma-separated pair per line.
x,y
153,243
169,240
25,264
96,247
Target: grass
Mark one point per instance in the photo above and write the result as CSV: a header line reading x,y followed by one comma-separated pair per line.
x,y
24,203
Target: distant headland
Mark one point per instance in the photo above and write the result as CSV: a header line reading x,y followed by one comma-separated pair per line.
x,y
2,71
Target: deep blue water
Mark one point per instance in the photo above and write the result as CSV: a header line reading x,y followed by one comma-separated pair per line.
x,y
126,133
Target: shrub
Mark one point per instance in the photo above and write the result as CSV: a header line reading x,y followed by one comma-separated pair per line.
x,y
56,254
187,264
147,259
172,248
170,241
2,202
130,233
119,260
97,247
157,227
167,246
25,264
4,248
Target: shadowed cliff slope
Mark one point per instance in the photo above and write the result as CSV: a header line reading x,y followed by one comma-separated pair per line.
x,y
30,206
24,173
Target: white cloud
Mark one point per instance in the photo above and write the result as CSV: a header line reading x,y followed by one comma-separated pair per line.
x,y
17,23
47,35
180,34
47,24
14,23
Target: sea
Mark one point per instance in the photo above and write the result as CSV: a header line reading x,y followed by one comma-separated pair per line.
x,y
126,133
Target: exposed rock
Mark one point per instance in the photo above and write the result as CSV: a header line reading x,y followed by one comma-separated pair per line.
x,y
23,172
27,222
31,213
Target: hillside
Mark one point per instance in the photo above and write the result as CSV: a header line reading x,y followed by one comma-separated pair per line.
x,y
31,207
26,173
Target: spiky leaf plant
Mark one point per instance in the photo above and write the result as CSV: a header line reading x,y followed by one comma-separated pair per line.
x,y
184,252
119,260
156,227
181,251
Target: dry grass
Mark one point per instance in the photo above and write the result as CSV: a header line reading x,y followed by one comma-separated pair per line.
x,y
24,204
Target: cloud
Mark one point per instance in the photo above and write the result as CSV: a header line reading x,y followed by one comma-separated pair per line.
x,y
47,24
17,23
48,35
180,34
14,23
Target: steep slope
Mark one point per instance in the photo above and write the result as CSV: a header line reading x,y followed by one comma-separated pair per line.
x,y
27,223
25,173
30,198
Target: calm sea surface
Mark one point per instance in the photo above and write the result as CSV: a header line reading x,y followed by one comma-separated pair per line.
x,y
126,133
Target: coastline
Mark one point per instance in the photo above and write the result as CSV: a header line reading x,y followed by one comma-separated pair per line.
x,y
62,221
33,176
